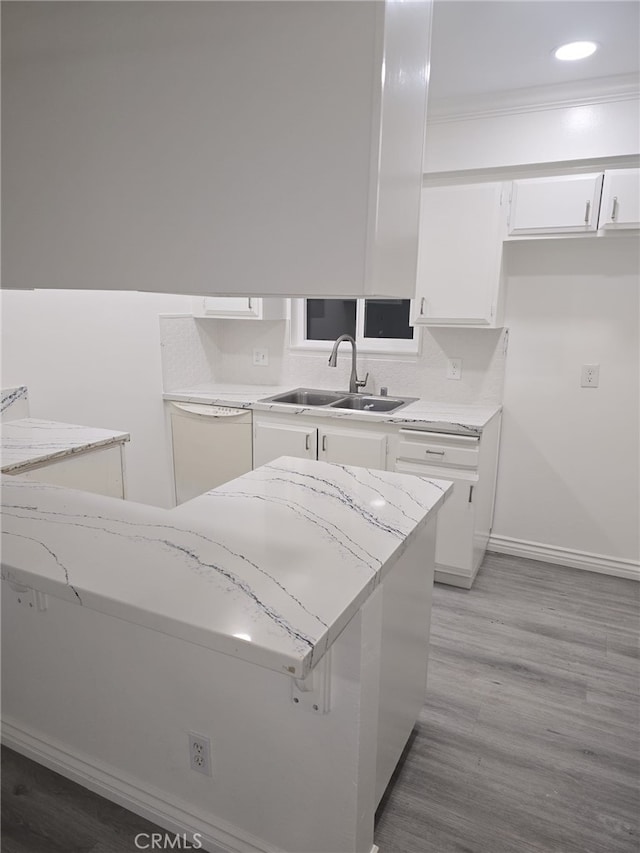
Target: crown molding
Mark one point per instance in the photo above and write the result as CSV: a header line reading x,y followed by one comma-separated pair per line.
x,y
622,87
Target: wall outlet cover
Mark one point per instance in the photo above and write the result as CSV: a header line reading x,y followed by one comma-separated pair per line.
x,y
200,753
454,368
590,376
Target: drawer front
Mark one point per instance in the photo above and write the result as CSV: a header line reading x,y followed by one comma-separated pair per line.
x,y
454,451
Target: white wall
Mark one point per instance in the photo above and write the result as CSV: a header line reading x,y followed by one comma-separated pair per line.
x,y
93,358
569,466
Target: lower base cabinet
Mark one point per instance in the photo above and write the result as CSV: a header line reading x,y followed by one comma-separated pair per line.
x,y
468,461
100,471
274,438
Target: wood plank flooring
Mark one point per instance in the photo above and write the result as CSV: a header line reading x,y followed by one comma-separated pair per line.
x,y
529,741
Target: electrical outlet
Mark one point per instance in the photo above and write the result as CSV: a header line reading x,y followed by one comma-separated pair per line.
x,y
454,368
200,753
30,599
590,376
261,357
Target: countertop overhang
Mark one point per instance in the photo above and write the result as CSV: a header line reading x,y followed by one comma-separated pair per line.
x,y
31,442
268,568
422,414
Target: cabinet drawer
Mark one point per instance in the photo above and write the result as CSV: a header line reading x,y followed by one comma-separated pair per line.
x,y
438,449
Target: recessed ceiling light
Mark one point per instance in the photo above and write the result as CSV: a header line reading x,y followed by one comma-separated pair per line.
x,y
576,50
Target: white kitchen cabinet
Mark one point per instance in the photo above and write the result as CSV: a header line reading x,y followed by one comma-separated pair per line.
x,y
100,470
462,228
352,447
275,436
239,308
555,205
620,206
272,439
469,461
238,149
464,522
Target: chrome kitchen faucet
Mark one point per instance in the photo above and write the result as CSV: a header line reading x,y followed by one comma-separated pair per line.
x,y
354,382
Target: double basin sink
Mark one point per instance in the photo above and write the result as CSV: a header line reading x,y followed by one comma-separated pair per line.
x,y
339,400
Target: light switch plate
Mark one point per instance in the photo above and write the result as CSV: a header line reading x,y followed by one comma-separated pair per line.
x,y
261,357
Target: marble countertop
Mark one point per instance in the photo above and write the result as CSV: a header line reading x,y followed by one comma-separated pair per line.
x,y
268,568
10,396
423,414
31,442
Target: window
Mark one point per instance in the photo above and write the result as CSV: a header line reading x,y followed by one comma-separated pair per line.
x,y
378,325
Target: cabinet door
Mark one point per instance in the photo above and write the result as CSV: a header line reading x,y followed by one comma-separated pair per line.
x,y
353,447
456,518
459,256
273,440
230,306
202,140
620,199
555,205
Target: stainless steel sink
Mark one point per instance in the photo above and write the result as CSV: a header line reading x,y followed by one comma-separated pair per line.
x,y
339,400
369,404
305,397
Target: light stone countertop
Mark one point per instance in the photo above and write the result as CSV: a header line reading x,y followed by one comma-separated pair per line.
x,y
268,568
422,414
30,442
10,396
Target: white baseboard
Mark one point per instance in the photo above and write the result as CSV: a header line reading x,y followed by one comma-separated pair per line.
x,y
565,557
109,782
452,578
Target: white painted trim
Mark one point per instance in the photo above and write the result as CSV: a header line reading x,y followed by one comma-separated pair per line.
x,y
600,563
109,782
623,87
530,170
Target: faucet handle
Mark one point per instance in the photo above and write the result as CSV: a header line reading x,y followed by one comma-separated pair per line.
x,y
360,383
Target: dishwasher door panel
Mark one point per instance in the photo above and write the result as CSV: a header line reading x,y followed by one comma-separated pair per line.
x,y
211,445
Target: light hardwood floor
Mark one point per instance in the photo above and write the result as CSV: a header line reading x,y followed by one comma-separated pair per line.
x,y
529,741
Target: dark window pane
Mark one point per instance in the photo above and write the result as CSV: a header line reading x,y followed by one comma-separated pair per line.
x,y
327,319
387,318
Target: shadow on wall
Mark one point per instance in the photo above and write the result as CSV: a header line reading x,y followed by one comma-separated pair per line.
x,y
610,256
542,479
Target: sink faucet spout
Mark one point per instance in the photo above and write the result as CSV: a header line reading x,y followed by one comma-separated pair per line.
x,y
354,382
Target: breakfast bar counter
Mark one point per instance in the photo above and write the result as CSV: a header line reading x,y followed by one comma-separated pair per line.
x,y
284,616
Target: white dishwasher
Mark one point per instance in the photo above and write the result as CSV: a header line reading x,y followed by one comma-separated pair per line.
x,y
211,445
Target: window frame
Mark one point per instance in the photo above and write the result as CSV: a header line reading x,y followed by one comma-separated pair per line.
x,y
387,346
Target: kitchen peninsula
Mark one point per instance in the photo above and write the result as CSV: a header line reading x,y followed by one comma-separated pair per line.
x,y
283,616
70,455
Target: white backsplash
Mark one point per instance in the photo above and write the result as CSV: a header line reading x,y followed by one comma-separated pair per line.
x,y
189,351
213,350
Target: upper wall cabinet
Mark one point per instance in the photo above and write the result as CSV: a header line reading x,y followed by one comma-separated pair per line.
x,y
459,262
218,148
239,307
555,205
620,206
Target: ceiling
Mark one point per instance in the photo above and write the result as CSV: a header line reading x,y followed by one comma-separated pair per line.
x,y
484,47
